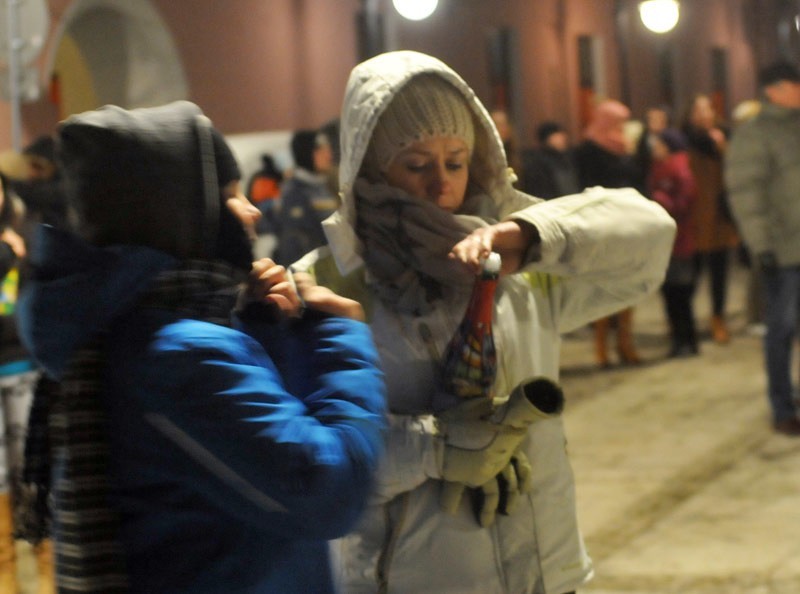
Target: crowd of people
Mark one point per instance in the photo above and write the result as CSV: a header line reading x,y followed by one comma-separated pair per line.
x,y
179,415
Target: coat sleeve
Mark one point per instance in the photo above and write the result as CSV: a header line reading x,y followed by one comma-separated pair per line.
x,y
301,465
747,176
605,248
678,201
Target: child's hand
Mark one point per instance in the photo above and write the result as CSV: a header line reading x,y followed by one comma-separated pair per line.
x,y
272,283
324,300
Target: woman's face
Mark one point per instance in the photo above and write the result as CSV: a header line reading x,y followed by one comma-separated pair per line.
x,y
656,120
436,170
703,115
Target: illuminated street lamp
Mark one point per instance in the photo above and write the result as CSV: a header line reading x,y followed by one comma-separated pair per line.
x,y
660,16
415,10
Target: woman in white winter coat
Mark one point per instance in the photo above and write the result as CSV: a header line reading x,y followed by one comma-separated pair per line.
x,y
427,193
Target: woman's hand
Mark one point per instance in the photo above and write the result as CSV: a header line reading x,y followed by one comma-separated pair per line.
x,y
511,239
293,293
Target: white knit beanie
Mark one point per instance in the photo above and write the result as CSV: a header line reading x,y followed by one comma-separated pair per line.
x,y
425,107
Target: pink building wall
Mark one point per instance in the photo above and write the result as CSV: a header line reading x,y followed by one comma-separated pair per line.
x,y
283,64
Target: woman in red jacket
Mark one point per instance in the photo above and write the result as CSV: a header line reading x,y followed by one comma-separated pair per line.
x,y
671,183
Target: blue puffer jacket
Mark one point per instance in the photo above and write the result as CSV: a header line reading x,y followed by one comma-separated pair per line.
x,y
232,465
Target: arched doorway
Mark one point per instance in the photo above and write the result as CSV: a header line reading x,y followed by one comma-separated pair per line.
x,y
113,51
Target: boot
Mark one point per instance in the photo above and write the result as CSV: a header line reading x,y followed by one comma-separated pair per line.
x,y
625,349
719,330
600,334
45,571
8,556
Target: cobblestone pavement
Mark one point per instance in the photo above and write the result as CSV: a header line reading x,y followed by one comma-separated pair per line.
x,y
682,486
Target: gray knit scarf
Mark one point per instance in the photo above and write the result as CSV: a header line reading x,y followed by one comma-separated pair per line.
x,y
407,240
68,433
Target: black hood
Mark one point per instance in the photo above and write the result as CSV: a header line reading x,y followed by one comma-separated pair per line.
x,y
152,177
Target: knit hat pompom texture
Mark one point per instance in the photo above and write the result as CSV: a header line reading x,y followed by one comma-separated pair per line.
x,y
425,107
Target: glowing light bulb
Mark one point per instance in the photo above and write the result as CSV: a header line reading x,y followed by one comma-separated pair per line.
x,y
415,10
659,16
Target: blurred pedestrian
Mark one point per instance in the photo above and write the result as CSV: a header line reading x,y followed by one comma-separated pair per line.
x,y
18,377
306,197
656,120
264,190
671,184
714,229
42,189
762,171
549,170
604,159
510,138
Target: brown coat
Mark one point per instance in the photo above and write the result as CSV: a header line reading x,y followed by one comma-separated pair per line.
x,y
713,229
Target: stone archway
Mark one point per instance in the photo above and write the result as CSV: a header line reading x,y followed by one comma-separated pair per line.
x,y
114,51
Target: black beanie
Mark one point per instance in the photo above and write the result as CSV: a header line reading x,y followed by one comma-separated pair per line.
x,y
136,177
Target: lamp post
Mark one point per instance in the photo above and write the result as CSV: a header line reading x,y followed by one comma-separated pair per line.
x,y
661,16
15,44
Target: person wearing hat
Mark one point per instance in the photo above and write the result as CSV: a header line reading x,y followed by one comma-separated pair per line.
x,y
762,172
474,495
306,198
207,432
603,158
670,183
549,170
41,188
657,118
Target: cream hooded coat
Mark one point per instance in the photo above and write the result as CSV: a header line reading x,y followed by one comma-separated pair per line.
x,y
601,251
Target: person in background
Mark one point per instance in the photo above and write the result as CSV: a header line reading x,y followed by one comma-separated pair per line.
x,y
762,172
656,120
264,190
212,425
715,232
475,495
604,159
508,135
306,197
754,311
671,184
549,170
41,189
18,378
331,131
